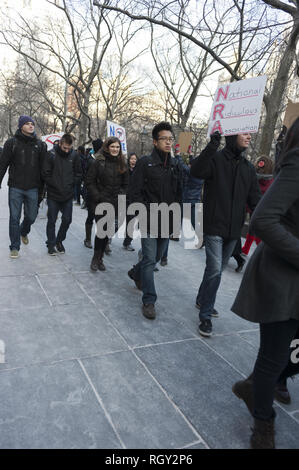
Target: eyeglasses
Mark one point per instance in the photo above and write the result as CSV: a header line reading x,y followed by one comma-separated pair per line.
x,y
166,139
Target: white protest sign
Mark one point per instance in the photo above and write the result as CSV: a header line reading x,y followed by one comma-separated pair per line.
x,y
237,107
114,130
50,139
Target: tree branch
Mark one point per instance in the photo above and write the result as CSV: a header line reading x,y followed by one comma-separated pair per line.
x,y
175,30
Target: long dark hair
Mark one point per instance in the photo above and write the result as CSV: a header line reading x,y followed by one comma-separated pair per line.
x,y
291,141
122,167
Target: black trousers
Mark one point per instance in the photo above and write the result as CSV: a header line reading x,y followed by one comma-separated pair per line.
x,y
273,364
100,242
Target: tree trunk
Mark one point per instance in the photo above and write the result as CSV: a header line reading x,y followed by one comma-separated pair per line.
x,y
84,121
276,96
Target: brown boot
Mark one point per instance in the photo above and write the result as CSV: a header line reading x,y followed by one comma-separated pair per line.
x,y
243,390
263,434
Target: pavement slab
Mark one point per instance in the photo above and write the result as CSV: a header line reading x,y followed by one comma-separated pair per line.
x,y
80,367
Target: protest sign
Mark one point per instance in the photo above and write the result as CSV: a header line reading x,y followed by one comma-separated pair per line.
x,y
185,139
115,130
237,107
50,139
291,114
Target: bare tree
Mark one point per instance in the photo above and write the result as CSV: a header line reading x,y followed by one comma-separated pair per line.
x,y
119,86
87,34
253,29
287,58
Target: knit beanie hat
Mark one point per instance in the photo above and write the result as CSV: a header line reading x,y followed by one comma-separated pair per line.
x,y
97,144
231,143
24,119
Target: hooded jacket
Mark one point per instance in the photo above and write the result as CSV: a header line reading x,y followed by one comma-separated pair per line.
x,y
61,171
230,184
24,156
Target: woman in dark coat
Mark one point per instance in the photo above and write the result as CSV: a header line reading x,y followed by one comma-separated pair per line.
x,y
132,160
106,179
269,292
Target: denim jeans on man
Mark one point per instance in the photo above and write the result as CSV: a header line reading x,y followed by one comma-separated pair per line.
x,y
152,249
66,209
16,199
218,252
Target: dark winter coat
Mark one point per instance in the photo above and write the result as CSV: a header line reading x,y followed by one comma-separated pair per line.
x,y
156,179
104,182
192,187
230,184
23,155
61,171
269,291
130,185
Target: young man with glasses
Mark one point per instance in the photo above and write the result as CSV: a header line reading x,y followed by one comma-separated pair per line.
x,y
156,179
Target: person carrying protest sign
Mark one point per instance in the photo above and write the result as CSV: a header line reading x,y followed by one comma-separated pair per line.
x,y
230,184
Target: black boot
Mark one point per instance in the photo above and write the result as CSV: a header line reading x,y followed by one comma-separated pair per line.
x,y
243,390
88,230
101,266
263,434
241,261
95,260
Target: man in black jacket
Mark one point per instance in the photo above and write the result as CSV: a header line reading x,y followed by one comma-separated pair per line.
x,y
23,154
230,184
156,180
61,171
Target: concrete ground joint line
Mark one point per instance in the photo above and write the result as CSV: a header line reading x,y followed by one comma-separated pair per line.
x,y
193,444
223,358
103,315
42,288
100,401
289,413
163,343
151,375
174,405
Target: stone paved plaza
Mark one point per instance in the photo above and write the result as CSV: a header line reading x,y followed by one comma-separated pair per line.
x,y
84,369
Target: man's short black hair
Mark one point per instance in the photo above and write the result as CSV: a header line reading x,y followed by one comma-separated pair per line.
x,y
81,149
162,126
67,139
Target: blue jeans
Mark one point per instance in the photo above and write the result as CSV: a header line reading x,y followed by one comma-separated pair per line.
x,y
66,209
152,249
16,199
218,252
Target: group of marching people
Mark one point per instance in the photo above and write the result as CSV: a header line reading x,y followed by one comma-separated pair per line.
x,y
268,294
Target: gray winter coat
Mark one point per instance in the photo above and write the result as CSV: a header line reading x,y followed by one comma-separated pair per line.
x,y
269,291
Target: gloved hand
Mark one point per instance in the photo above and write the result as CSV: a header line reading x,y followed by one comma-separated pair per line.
x,y
215,139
